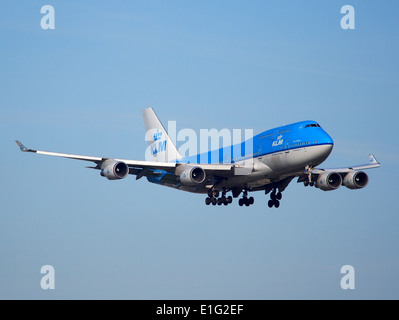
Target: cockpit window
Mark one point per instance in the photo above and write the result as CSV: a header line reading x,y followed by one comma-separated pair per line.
x,y
314,125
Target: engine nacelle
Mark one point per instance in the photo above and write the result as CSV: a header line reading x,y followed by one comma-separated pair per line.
x,y
114,170
192,176
329,181
356,180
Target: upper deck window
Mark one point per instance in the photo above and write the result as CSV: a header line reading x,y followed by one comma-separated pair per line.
x,y
314,125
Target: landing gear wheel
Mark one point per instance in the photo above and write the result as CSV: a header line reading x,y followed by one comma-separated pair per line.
x,y
241,202
270,203
311,184
229,199
306,183
208,201
251,200
220,202
214,201
275,197
246,200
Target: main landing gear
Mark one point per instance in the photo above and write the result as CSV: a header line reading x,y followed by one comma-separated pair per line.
x,y
213,198
275,199
245,201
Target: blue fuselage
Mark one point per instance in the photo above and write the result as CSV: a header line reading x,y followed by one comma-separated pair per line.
x,y
286,138
270,156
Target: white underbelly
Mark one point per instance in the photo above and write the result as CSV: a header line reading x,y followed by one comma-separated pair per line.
x,y
291,160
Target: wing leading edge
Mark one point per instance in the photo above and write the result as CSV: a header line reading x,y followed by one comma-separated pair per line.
x,y
373,163
313,174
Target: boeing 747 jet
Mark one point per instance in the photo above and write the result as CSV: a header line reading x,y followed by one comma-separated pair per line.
x,y
275,157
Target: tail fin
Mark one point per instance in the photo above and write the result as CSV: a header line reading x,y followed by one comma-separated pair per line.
x,y
161,147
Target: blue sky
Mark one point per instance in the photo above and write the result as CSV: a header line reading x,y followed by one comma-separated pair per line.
x,y
231,64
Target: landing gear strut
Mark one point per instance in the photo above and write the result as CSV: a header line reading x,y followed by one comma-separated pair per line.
x,y
309,181
275,199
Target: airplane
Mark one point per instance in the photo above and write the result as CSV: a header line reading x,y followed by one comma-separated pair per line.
x,y
275,158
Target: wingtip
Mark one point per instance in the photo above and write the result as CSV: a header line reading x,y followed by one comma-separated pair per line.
x,y
22,147
373,160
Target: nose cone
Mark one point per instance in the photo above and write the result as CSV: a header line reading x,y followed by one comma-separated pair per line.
x,y
319,154
327,139
326,146
327,150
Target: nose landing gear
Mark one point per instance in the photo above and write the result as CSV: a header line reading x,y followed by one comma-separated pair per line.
x,y
309,181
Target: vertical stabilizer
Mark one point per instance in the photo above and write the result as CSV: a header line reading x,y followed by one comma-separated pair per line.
x,y
161,147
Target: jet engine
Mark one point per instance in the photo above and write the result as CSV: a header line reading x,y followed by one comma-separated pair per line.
x,y
329,181
114,170
192,176
356,180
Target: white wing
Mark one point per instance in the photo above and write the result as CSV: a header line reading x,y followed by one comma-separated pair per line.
x,y
373,163
137,167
